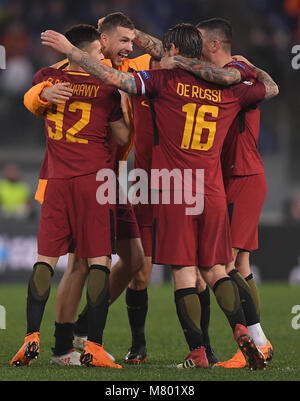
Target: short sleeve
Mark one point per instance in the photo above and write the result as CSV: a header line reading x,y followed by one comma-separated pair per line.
x,y
249,93
247,72
149,82
39,77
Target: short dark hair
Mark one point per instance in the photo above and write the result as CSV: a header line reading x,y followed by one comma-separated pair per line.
x,y
220,27
114,20
186,38
82,34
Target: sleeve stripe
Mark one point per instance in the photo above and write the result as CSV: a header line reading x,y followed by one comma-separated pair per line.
x,y
143,84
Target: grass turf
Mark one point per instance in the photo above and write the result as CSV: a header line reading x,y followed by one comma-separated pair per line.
x,y
166,344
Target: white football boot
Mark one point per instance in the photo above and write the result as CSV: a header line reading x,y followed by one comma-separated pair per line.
x,y
71,358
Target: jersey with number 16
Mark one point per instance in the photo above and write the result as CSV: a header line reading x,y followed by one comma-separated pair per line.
x,y
193,118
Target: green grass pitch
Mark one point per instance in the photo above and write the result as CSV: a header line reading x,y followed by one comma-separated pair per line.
x,y
166,344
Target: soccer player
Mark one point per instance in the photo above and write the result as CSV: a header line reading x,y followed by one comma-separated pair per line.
x,y
244,179
143,144
172,89
116,37
136,293
71,218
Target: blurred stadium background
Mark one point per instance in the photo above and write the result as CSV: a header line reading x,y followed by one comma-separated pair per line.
x,y
264,31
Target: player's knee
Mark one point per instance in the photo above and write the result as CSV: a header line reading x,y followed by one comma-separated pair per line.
x,y
79,266
201,285
229,267
138,285
200,282
131,254
137,260
140,280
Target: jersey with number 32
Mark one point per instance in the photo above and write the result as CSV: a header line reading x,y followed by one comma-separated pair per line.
x,y
77,135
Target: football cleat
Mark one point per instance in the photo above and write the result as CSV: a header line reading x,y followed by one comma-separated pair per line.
x,y
238,360
210,354
30,350
268,351
254,357
79,342
196,359
71,358
94,355
136,355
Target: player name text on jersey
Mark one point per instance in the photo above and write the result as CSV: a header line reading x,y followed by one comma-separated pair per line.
x,y
85,90
197,92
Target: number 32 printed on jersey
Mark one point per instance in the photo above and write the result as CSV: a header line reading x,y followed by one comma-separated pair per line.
x,y
195,133
58,117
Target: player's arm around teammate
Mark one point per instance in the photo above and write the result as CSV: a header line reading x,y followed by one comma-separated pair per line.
x,y
238,161
206,70
59,230
125,82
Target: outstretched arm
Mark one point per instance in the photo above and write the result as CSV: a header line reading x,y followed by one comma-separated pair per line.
x,y
204,70
121,80
149,44
207,71
272,89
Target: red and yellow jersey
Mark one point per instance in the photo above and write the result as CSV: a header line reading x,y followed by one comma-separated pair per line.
x,y
136,64
240,154
143,123
144,133
35,105
192,119
77,130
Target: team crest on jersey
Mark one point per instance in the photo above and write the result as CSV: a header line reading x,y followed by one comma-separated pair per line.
x,y
145,74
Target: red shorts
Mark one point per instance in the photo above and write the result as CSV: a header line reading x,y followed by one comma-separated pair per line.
x,y
245,198
127,226
201,240
144,216
72,219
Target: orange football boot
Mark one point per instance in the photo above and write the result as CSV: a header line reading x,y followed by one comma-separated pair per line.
x,y
268,351
254,357
94,355
238,361
30,350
